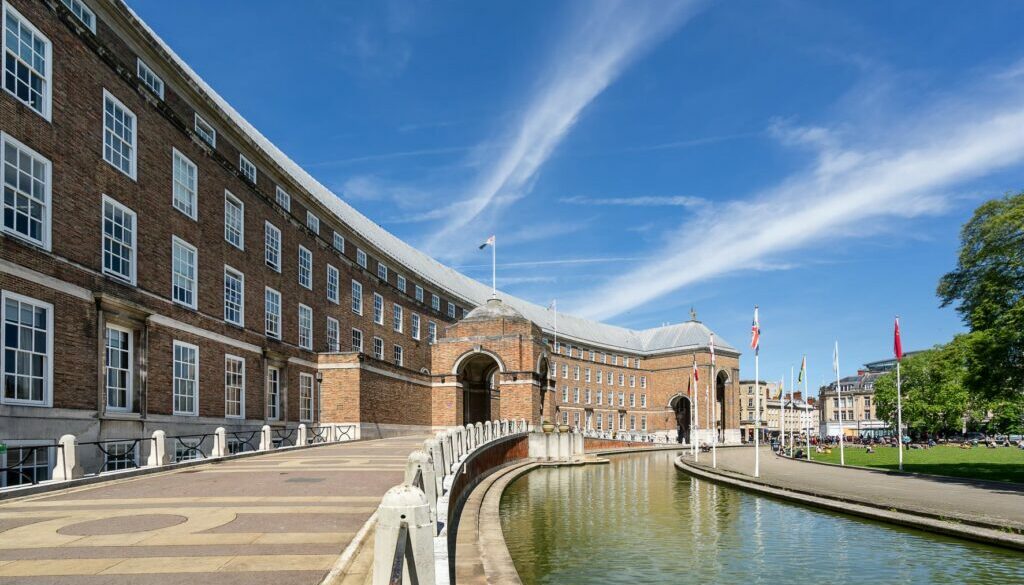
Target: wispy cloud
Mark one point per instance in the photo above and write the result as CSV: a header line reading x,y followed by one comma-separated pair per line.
x,y
906,173
642,201
602,43
384,156
562,262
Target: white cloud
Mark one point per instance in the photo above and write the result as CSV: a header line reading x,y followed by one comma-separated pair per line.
x,y
603,43
907,174
641,201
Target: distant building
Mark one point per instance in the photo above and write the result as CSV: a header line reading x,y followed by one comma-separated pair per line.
x,y
800,413
858,403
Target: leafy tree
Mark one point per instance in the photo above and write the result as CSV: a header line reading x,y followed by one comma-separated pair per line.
x,y
987,288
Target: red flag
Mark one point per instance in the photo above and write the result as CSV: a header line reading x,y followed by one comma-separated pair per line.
x,y
897,346
696,372
755,332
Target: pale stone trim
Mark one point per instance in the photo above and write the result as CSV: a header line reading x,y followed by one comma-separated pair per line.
x,y
8,267
193,330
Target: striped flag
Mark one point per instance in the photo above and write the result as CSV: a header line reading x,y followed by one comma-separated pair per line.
x,y
897,345
803,370
489,242
696,372
755,332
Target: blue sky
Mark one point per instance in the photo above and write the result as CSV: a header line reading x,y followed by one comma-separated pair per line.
x,y
639,158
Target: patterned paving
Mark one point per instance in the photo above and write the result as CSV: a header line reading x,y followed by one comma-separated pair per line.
x,y
280,518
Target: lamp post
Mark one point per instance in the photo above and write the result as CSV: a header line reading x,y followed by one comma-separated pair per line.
x,y
319,395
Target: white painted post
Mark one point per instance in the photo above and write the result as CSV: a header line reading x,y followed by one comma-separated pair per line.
x,y
408,504
67,466
522,425
419,461
446,458
302,435
449,454
433,448
219,443
158,450
478,437
458,442
470,438
266,443
487,431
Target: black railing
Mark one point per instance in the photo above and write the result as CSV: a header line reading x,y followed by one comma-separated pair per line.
x,y
249,440
190,450
318,434
116,454
27,469
282,435
403,557
344,431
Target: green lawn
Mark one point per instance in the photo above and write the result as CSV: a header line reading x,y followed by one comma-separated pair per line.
x,y
1002,464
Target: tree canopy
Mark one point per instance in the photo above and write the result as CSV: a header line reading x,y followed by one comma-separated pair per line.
x,y
935,397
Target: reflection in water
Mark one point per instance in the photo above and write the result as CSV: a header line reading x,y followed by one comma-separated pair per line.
x,y
639,520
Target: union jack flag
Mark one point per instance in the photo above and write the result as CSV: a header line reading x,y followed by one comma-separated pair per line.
x,y
755,332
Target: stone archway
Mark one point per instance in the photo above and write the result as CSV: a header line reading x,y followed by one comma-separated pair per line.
x,y
680,406
721,382
478,375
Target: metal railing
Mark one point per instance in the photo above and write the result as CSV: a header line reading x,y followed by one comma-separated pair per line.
x,y
318,434
249,440
191,450
26,470
113,457
403,552
285,434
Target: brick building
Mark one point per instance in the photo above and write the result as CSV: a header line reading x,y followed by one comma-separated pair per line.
x,y
164,266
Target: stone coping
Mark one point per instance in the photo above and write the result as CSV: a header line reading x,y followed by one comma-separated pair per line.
x,y
986,533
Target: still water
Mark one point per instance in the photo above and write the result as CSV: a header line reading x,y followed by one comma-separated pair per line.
x,y
639,520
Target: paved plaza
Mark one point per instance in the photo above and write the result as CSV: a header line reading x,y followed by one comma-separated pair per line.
x,y
972,501
281,518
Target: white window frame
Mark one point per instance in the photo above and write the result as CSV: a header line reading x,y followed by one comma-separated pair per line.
x,y
305,327
195,380
229,201
129,370
179,186
207,134
378,348
133,165
241,390
397,318
339,242
47,93
47,399
361,258
240,276
82,13
399,355
451,310
176,241
382,271
333,335
400,282
414,326
274,263
248,169
333,285
305,268
357,347
357,297
273,393
418,293
133,244
313,222
275,331
435,302
6,141
432,332
378,309
305,397
149,78
283,198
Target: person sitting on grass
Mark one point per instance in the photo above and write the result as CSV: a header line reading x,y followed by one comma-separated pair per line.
x,y
818,449
870,450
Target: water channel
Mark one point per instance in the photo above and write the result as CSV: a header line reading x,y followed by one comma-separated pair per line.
x,y
639,520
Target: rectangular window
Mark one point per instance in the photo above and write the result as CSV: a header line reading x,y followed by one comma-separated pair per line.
x,y
339,242
575,372
565,371
186,378
305,397
622,399
399,355
435,302
360,258
576,395
234,387
234,296
378,348
27,350
27,66
272,246
234,220
432,332
382,271
248,169
121,455
576,419
600,421
397,321
305,268
586,375
333,335
600,397
632,381
414,325
185,183
184,259
632,422
149,78
565,394
632,399
378,309
313,222
643,423
357,298
451,310
357,340
622,420
26,192
600,377
119,135
206,131
643,401
622,379
272,313
82,12
305,327
333,284
419,293
273,393
401,283
586,396
118,368
643,381
118,240
284,199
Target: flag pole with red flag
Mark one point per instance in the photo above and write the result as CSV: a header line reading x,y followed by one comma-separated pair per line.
x,y
897,349
696,411
755,344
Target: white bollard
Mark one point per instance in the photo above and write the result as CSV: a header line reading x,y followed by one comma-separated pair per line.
x,y
220,443
404,504
302,435
419,461
449,454
433,448
470,438
67,466
487,431
478,434
158,450
266,443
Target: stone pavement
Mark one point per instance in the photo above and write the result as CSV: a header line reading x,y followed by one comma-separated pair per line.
x,y
281,518
986,503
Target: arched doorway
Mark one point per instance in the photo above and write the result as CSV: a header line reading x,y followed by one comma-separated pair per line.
x,y
681,407
721,381
478,375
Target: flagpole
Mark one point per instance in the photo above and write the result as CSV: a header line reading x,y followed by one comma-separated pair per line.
x,y
807,412
782,415
839,396
494,269
714,436
757,400
792,388
899,414
696,413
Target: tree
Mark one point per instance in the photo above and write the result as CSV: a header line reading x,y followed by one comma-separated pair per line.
x,y
987,288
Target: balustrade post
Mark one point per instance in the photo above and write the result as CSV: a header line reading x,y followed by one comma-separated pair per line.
x,y
219,443
158,452
478,434
301,440
407,505
487,431
470,439
577,444
449,453
433,448
67,466
266,442
419,461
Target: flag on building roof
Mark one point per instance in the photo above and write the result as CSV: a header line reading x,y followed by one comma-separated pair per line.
x,y
489,242
897,345
755,332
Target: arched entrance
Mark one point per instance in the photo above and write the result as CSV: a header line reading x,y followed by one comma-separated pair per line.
x,y
478,376
721,381
681,407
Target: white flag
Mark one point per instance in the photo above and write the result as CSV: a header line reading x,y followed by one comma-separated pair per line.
x,y
835,359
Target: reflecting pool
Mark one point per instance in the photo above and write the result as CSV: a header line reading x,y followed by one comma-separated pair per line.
x,y
639,520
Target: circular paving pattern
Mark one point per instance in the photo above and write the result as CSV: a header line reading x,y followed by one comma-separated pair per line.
x,y
123,524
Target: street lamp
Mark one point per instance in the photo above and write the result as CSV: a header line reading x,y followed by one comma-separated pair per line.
x,y
319,394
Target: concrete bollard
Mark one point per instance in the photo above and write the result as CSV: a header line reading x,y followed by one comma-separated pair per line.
x,y
449,454
495,429
478,434
433,448
266,443
522,426
487,431
301,440
470,438
404,504
220,443
158,450
457,446
67,466
419,461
